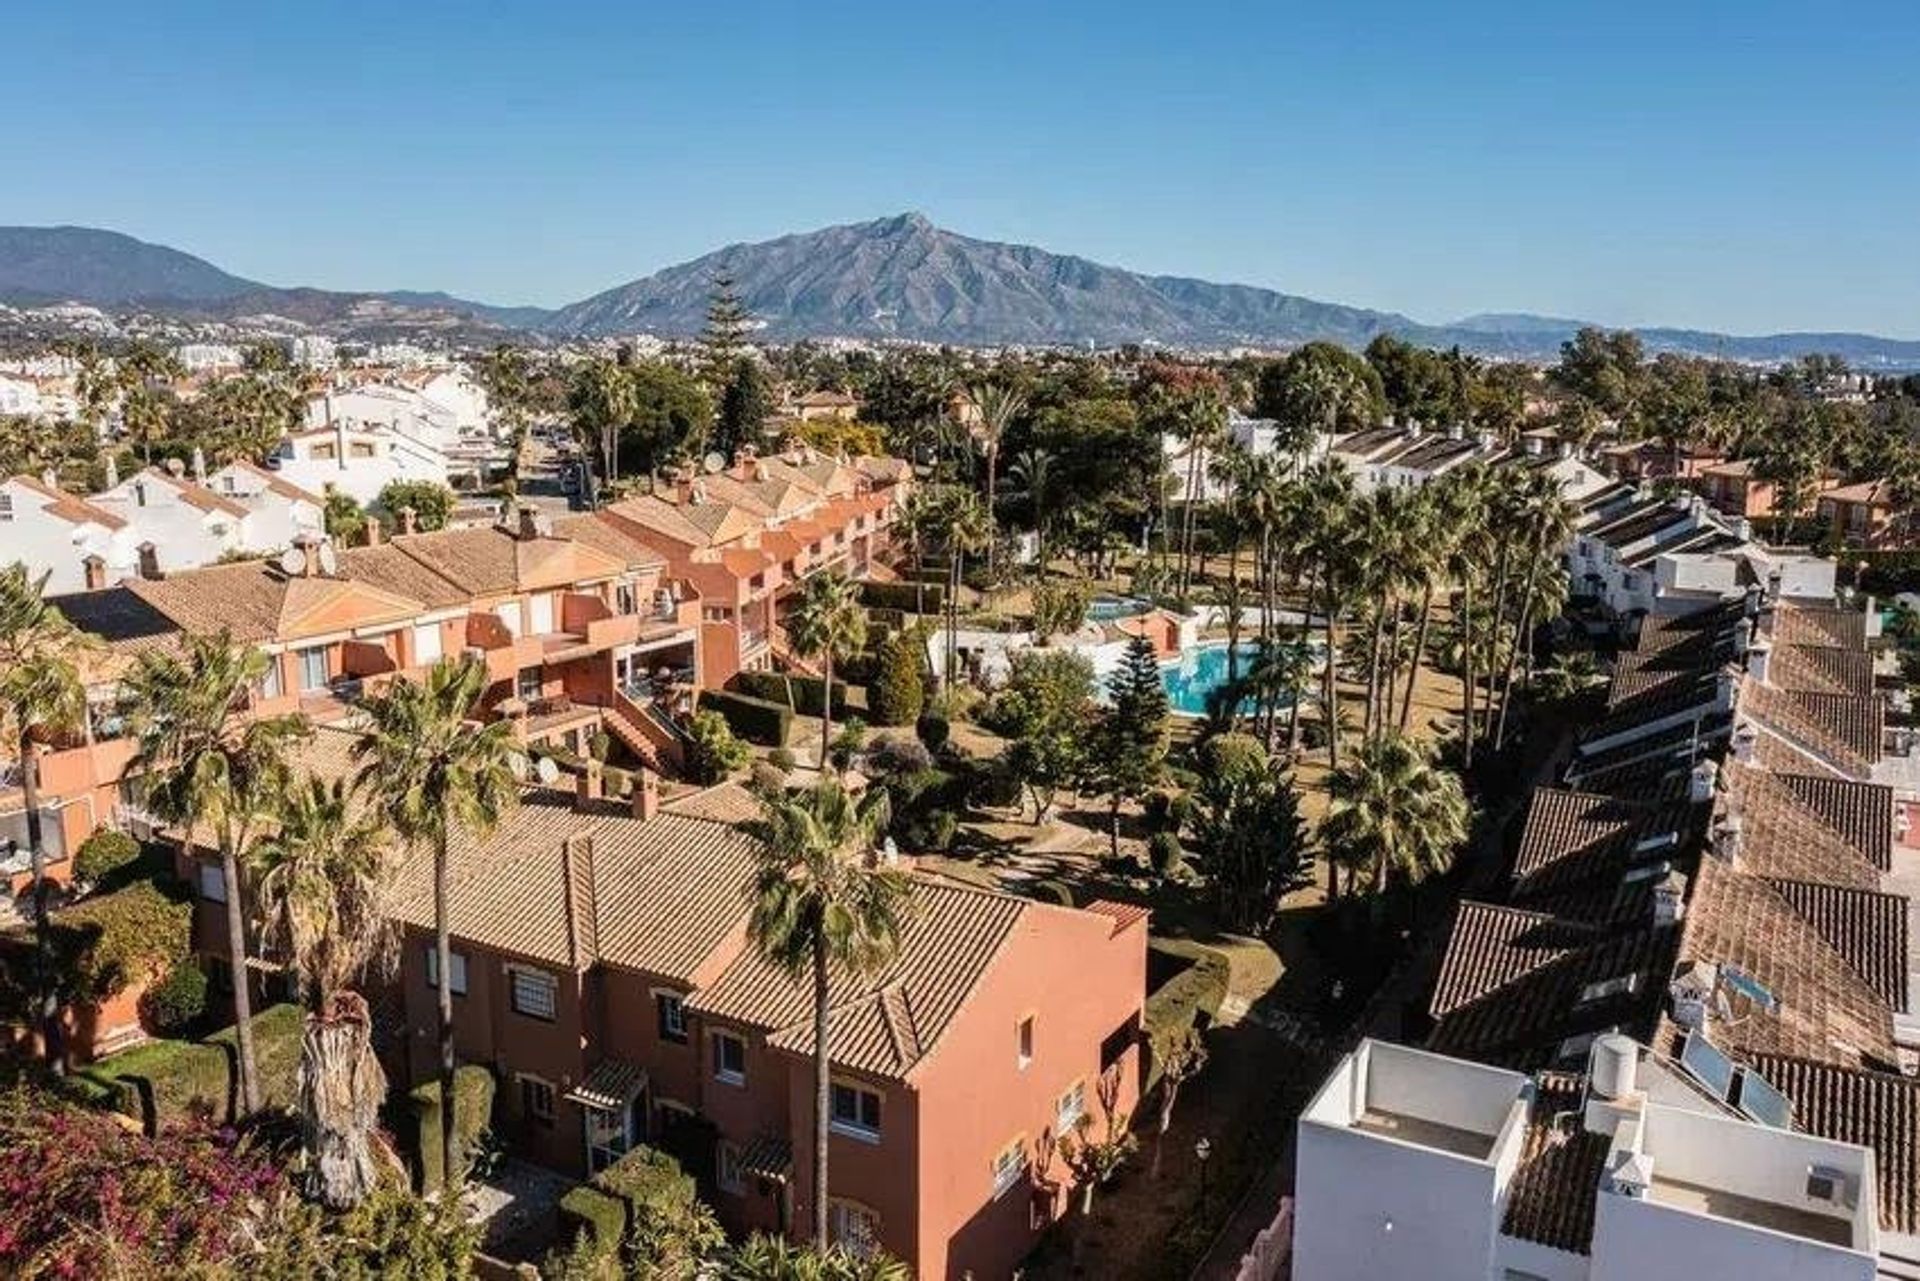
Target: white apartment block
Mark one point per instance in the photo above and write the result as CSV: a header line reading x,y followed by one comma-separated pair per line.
x,y
278,511
20,397
1412,1164
356,459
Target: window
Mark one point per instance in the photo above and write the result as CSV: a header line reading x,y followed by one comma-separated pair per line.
x,y
854,1226
729,1059
313,668
731,1169
1069,1108
1023,1053
219,972
673,1016
458,965
534,994
426,643
527,684
325,451
625,599
6,506
536,1100
540,614
139,495
213,883
270,686
856,1111
509,616
1625,985
1008,1166
360,449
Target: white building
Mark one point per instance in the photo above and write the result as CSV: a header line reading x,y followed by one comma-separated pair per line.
x,y
357,460
185,523
1259,437
20,397
1411,1164
53,532
197,357
1407,457
278,511
312,351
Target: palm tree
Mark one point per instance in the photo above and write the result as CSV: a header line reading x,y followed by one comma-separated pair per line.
x,y
959,523
435,774
1458,532
320,879
999,406
1396,816
1330,508
821,907
212,771
602,402
41,695
1546,524
1031,471
827,623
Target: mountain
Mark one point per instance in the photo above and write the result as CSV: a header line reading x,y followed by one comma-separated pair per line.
x,y
893,278
106,269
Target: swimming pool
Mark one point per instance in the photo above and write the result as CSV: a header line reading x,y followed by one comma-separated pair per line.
x,y
1199,671
1104,609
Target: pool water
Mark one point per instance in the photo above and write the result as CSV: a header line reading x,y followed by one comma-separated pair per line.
x,y
1104,609
1199,671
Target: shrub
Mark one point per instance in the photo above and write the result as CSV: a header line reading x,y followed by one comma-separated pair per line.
x,y
177,1001
643,1211
898,754
767,779
588,1212
277,1032
905,597
934,730
432,504
1168,811
783,759
472,1112
771,687
600,745
1060,607
1165,853
712,751
103,854
847,743
1052,891
897,694
1195,992
996,785
753,719
939,830
169,1083
804,694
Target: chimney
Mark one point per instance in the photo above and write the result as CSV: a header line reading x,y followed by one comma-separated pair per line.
x,y
1566,448
1670,899
1745,738
50,478
149,561
646,794
1702,782
373,531
176,468
199,465
1533,446
531,524
1755,595
583,909
1759,655
586,791
408,520
113,471
1726,688
95,570
309,545
1456,431
1742,635
1725,837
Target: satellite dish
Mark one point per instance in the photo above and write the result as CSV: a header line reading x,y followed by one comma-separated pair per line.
x,y
548,772
519,765
293,560
329,560
713,462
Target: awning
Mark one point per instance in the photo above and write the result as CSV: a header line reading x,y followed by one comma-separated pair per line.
x,y
610,1084
768,1157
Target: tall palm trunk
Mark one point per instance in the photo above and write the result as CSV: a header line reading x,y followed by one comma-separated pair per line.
x,y
993,528
1520,637
341,1088
1300,677
53,1035
826,714
249,1101
822,1098
1419,652
1391,679
451,1173
1329,709
1466,668
1374,648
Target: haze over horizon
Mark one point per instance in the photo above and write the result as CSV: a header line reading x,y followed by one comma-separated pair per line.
x,y
1728,168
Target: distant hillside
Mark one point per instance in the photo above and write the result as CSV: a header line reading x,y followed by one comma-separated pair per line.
x,y
893,278
105,269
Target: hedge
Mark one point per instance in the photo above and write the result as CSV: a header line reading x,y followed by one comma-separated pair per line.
x,y
1182,1000
754,719
103,854
804,694
277,1032
165,1083
586,1209
905,597
473,1114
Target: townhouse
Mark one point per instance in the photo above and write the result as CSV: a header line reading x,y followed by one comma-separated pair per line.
x,y
1735,487
1867,515
1406,457
61,535
357,459
746,536
1692,998
279,512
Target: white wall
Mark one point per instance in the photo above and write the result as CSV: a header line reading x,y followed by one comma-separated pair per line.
x,y
1646,1241
183,536
362,479
47,544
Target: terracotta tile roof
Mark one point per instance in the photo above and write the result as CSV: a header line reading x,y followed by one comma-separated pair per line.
x,y
1576,848
1784,837
491,561
252,599
1121,914
1861,813
1822,669
604,535
277,484
1877,492
1641,676
652,512
71,508
126,621
1655,766
1839,730
1661,631
1551,1198
1852,1105
1866,927
1511,983
1823,1008
885,1026
568,888
1814,625
393,570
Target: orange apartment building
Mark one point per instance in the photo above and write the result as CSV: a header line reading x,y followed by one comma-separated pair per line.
x,y
601,968
1865,515
1735,488
744,537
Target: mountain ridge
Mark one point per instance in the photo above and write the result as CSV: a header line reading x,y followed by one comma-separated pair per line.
x,y
899,277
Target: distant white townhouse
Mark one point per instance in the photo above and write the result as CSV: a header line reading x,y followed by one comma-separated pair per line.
x,y
55,533
278,511
356,459
1257,436
20,397
186,524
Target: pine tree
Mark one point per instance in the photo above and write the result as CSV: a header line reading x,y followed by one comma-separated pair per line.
x,y
724,339
744,407
1133,751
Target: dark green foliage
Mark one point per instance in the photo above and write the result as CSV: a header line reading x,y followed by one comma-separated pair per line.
x,y
1168,811
1165,852
600,745
344,519
713,751
909,598
745,406
1132,750
782,759
103,854
166,1083
432,504
1060,606
897,754
898,694
1248,837
994,784
754,719
641,1216
933,729
277,1031
1191,996
177,1001
472,1113
587,1211
804,694
390,1235
101,945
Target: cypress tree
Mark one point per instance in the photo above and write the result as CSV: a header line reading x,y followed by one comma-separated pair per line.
x,y
897,693
1133,750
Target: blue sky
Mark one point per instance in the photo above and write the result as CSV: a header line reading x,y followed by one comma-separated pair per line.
x,y
1741,166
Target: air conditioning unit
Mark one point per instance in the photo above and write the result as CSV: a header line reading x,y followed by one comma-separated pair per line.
x,y
1829,1185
